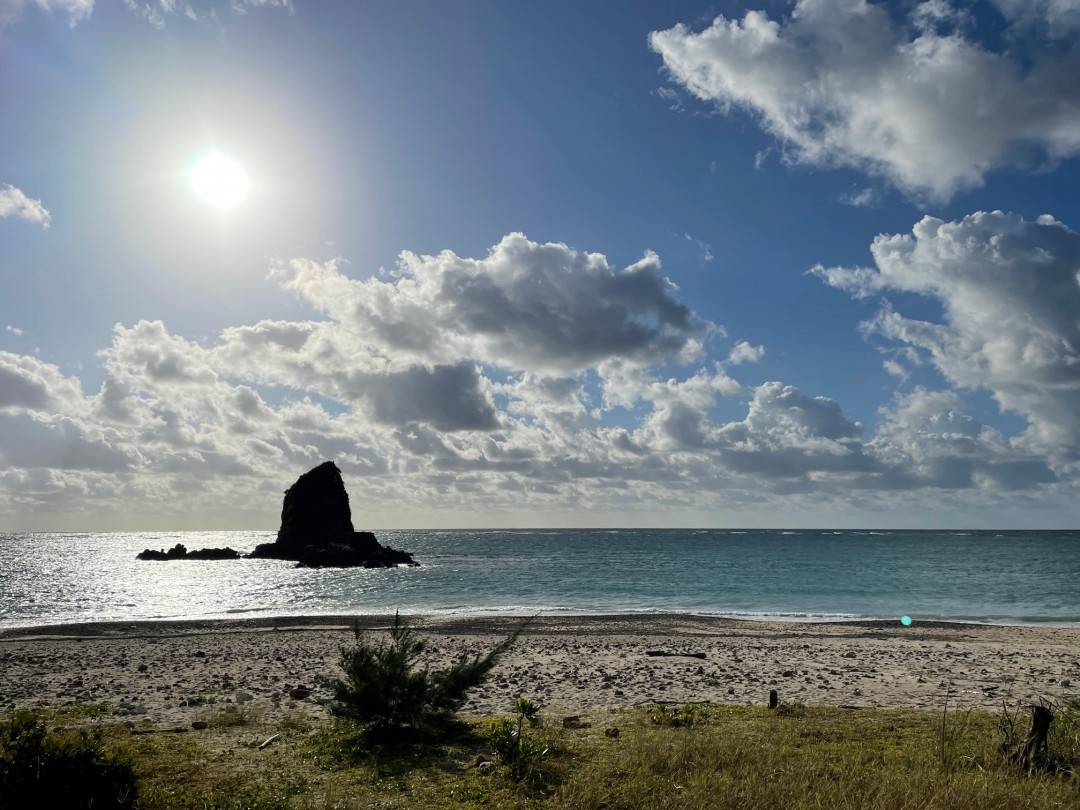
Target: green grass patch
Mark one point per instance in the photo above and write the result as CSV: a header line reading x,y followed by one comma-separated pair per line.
x,y
682,757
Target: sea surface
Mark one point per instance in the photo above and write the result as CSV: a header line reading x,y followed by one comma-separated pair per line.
x,y
1030,577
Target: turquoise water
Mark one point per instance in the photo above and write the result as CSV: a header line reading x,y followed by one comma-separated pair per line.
x,y
1007,577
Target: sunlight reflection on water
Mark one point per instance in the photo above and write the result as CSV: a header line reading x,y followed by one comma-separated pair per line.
x,y
794,575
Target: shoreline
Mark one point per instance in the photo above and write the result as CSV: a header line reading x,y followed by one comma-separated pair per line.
x,y
339,620
171,673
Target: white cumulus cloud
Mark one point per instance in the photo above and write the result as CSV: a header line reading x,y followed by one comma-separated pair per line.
x,y
840,83
525,306
1010,294
15,203
440,392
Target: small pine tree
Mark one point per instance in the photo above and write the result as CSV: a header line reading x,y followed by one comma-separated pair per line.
x,y
385,687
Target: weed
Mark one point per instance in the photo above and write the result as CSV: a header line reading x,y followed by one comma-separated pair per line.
x,y
688,715
231,715
951,734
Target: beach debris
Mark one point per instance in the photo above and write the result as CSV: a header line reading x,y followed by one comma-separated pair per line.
x,y
317,531
1036,749
666,654
267,742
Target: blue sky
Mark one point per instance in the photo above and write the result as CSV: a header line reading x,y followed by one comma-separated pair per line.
x,y
571,264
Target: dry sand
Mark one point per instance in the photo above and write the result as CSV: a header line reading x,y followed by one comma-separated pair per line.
x,y
172,673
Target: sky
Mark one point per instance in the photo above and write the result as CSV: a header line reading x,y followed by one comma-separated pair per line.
x,y
765,264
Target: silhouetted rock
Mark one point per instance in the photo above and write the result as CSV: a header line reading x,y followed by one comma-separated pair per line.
x,y
179,552
316,528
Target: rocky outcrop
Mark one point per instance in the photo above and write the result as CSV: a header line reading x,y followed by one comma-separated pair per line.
x,y
180,552
316,528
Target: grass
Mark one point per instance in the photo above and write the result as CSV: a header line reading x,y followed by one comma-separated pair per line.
x,y
795,757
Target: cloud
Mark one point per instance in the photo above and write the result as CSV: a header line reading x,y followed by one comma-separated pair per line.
x,y
863,198
242,6
432,405
839,83
743,352
926,440
156,12
58,443
76,10
15,203
1056,18
704,247
1010,294
525,306
26,382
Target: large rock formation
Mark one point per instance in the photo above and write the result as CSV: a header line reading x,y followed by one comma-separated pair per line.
x,y
317,531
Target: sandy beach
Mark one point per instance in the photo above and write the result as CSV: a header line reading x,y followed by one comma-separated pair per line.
x,y
172,673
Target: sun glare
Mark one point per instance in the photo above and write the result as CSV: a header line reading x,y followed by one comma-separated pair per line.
x,y
219,180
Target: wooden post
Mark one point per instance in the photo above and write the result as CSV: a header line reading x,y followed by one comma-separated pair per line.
x,y
1035,747
773,699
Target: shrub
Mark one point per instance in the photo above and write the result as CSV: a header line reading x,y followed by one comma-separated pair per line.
x,y
384,685
508,742
60,770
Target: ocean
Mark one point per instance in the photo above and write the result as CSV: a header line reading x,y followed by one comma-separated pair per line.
x,y
1009,577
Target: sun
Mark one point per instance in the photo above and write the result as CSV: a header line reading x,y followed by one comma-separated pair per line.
x,y
219,180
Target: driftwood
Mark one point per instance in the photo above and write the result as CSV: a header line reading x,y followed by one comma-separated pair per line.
x,y
665,653
1036,750
160,730
1032,751
268,741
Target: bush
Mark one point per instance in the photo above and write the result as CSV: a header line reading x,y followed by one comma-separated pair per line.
x,y
385,687
60,770
508,742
